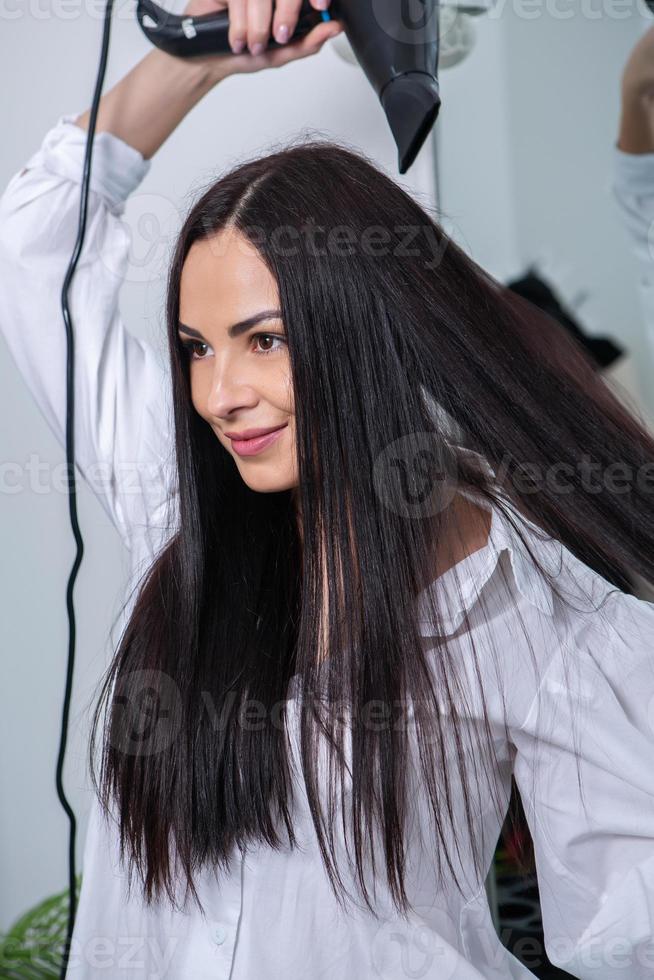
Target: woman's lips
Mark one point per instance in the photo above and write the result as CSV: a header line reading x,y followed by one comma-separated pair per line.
x,y
250,447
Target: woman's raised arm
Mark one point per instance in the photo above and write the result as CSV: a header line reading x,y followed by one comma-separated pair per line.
x,y
123,415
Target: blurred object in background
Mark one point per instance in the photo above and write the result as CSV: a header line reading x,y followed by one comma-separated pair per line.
x,y
531,286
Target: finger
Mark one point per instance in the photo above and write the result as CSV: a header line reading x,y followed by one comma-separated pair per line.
x,y
259,14
317,36
304,46
238,25
285,19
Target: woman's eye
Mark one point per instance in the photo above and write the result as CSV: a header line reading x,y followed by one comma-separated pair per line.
x,y
268,336
188,345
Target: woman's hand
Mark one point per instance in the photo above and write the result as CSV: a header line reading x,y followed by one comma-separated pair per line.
x,y
145,106
252,22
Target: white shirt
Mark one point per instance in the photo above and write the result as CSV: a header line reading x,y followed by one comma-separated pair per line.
x,y
632,185
274,916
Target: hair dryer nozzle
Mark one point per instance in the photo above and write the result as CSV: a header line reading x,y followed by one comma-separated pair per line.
x,y
411,103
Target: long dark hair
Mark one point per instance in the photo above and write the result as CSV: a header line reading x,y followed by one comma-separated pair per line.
x,y
403,352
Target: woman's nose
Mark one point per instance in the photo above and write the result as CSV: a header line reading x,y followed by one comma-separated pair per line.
x,y
230,390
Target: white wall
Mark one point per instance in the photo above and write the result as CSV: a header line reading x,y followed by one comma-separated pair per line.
x,y
474,153
522,142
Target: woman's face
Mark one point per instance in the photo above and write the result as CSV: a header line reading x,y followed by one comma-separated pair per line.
x,y
240,373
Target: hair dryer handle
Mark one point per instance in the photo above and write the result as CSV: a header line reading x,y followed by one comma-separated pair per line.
x,y
188,36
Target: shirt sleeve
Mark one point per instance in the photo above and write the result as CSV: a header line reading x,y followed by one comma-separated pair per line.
x,y
632,187
584,766
123,422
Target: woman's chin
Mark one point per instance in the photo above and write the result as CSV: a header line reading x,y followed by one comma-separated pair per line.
x,y
266,482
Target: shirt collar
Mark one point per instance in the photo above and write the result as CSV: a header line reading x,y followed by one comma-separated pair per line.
x,y
461,585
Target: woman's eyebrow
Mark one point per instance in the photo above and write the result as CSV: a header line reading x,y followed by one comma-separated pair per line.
x,y
238,328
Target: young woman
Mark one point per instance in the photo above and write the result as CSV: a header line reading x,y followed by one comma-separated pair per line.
x,y
347,636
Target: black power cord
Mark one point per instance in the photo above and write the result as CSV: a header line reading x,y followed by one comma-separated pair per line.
x,y
70,470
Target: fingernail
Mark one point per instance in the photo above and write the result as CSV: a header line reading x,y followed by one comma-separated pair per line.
x,y
238,45
281,34
257,48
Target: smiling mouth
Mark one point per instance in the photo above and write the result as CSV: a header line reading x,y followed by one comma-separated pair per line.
x,y
253,433
256,444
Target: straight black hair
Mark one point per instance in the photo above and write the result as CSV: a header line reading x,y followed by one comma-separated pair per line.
x,y
416,375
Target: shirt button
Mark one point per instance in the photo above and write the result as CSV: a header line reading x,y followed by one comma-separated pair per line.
x,y
219,935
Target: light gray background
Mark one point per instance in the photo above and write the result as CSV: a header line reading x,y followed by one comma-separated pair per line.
x,y
523,150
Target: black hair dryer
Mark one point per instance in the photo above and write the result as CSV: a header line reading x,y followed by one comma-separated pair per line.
x,y
394,41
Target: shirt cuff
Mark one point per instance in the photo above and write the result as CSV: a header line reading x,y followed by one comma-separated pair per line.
x,y
117,168
634,170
